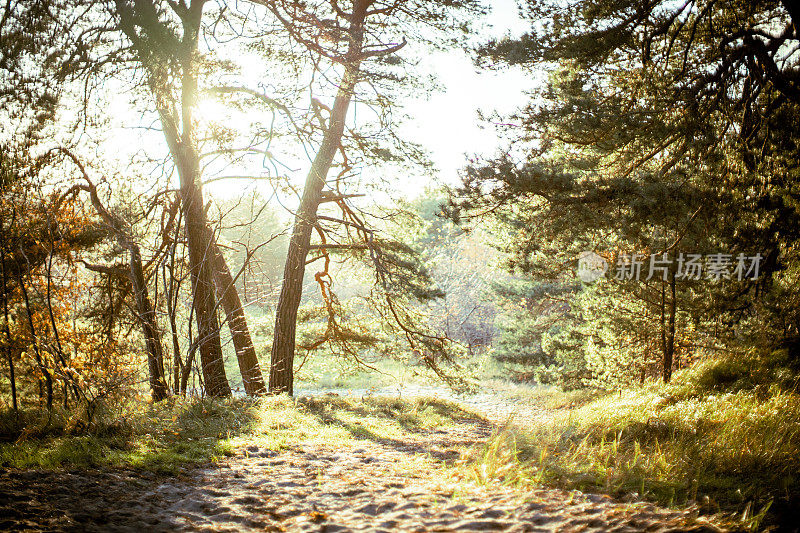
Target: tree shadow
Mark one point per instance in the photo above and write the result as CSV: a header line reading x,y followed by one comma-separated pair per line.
x,y
440,447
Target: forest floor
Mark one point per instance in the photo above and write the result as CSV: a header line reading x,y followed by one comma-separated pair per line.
x,y
415,478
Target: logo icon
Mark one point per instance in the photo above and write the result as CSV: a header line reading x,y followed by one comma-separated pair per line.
x,y
591,267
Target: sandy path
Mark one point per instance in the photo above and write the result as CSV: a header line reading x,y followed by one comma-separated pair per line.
x,y
375,485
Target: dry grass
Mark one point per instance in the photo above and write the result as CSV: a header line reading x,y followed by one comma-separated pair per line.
x,y
724,436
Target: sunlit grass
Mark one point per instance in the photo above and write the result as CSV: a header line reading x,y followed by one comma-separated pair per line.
x,y
168,435
319,373
544,396
724,436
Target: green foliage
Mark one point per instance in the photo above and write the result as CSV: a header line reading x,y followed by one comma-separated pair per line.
x,y
321,373
532,330
388,301
405,274
462,265
599,165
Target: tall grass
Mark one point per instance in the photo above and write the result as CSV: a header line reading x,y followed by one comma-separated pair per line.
x,y
724,436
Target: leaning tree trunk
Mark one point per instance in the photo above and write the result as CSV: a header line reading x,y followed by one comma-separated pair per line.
x,y
197,236
144,308
237,322
176,115
147,317
159,48
202,277
281,374
669,334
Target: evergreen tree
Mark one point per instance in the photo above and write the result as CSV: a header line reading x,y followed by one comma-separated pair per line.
x,y
361,40
642,142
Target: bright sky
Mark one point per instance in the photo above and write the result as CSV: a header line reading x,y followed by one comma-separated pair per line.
x,y
445,122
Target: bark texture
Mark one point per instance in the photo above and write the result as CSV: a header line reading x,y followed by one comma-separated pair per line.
x,y
281,375
147,318
237,322
205,304
158,49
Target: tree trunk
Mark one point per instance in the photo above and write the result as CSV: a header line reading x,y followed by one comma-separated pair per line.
x,y
281,373
181,144
144,308
205,304
200,263
147,318
6,329
176,115
237,322
171,293
669,332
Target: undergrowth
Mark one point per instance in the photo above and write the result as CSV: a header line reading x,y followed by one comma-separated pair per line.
x,y
724,437
165,436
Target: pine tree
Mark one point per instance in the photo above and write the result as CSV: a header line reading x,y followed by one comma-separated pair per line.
x,y
360,39
642,141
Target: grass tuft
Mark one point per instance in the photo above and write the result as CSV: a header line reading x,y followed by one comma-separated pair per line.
x,y
724,436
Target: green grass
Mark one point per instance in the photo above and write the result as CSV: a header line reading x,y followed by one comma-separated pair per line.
x,y
724,436
317,373
168,435
544,396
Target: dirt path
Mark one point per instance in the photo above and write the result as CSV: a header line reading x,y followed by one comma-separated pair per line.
x,y
375,485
